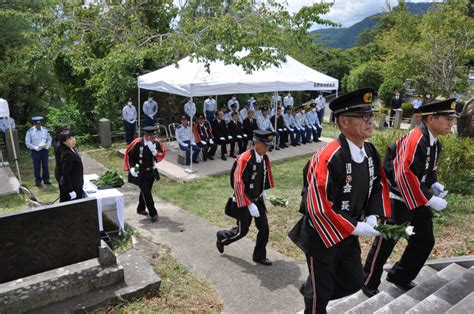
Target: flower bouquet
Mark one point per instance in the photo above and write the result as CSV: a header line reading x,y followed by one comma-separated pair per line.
x,y
395,232
278,201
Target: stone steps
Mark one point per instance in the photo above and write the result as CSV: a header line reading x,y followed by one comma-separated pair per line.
x,y
444,285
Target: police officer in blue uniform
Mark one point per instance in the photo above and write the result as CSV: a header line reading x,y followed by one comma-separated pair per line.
x,y
38,140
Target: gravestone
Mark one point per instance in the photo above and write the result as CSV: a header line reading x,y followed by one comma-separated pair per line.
x,y
10,154
104,133
45,238
398,118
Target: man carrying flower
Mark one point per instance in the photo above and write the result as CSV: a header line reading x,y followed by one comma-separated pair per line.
x,y
410,166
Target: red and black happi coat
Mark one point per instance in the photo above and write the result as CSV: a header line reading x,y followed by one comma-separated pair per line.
x,y
332,188
411,165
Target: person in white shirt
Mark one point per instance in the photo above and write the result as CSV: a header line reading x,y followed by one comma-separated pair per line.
x,y
252,102
150,108
295,133
313,122
209,108
38,140
320,107
302,124
190,109
276,100
129,116
417,104
5,124
185,139
244,112
232,101
264,124
288,101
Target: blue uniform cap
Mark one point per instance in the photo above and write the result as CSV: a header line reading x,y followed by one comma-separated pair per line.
x,y
37,119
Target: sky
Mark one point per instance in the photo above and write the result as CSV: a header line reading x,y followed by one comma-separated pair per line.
x,y
348,12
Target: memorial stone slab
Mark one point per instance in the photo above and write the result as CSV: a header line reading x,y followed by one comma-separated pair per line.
x,y
48,237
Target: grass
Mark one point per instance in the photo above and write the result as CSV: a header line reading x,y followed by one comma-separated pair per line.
x,y
206,197
181,291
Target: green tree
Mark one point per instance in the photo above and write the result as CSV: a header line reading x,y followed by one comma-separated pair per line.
x,y
365,75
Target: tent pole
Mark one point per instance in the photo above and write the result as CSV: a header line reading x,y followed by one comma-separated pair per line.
x,y
190,169
276,131
139,107
14,155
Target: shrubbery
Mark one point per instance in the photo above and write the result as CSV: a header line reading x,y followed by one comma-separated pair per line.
x,y
456,164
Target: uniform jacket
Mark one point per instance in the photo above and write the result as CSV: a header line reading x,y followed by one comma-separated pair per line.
x,y
138,153
235,128
264,123
201,132
72,173
396,103
410,166
327,212
244,172
219,129
280,123
35,137
250,126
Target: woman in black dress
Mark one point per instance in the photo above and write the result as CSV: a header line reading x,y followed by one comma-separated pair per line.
x,y
72,171
58,149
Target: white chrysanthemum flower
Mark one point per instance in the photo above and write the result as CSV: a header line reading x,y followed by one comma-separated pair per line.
x,y
409,231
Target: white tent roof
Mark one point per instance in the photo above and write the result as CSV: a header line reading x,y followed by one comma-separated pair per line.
x,y
192,79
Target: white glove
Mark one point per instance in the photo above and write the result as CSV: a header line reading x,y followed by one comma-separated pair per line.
x,y
371,220
280,130
37,148
211,141
239,136
222,138
245,135
133,172
184,144
437,188
229,137
72,195
264,195
437,203
365,230
314,128
152,148
292,130
254,210
203,142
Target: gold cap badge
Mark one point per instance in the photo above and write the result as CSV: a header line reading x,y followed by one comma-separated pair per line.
x,y
453,105
367,97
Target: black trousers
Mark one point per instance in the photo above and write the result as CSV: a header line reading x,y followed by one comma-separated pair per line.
x,y
207,149
146,198
129,131
334,273
223,144
241,142
229,236
283,137
416,253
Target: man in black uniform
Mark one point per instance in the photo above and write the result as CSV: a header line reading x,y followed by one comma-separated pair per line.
x,y
395,103
280,128
250,177
345,191
140,159
250,124
236,131
203,137
220,133
411,165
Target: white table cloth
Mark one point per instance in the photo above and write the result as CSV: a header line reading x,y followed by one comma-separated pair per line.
x,y
106,199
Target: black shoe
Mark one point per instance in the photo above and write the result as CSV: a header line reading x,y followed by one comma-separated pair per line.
x,y
210,158
303,286
369,292
154,218
264,261
317,141
219,245
142,212
298,144
404,286
223,158
195,161
232,156
277,148
47,183
294,145
38,183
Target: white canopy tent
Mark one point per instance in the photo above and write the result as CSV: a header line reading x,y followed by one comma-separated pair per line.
x,y
5,112
191,78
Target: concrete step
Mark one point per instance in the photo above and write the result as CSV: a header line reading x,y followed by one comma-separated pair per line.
x,y
389,294
423,290
448,295
464,306
38,290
